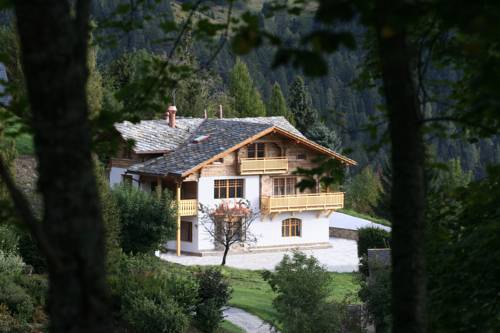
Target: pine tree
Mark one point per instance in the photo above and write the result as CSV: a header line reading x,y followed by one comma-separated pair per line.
x,y
307,119
247,100
277,104
300,105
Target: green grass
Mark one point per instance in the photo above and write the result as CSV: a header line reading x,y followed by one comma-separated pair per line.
x,y
24,144
252,294
366,217
229,327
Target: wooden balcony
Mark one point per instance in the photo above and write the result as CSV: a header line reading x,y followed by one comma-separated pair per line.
x,y
263,165
302,202
188,207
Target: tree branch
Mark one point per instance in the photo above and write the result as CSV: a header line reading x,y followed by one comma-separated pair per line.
x,y
23,209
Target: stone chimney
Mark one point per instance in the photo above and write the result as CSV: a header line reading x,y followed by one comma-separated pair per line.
x,y
221,113
170,115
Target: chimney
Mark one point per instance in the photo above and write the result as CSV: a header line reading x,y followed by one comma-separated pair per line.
x,y
221,113
206,114
172,110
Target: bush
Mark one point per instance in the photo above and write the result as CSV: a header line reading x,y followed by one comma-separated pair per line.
x,y
9,239
9,324
375,292
302,285
146,221
146,315
371,238
31,254
152,298
213,294
36,286
11,265
17,300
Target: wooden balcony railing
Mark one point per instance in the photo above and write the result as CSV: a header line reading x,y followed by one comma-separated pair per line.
x,y
263,165
188,207
302,202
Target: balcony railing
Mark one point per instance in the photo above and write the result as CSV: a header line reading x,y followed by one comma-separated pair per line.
x,y
188,207
302,202
263,165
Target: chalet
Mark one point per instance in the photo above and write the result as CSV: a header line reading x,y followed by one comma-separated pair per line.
x,y
205,161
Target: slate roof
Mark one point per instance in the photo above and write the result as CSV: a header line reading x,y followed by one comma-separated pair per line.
x,y
156,136
4,100
222,134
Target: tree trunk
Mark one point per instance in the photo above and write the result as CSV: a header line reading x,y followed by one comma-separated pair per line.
x,y
226,250
407,206
54,52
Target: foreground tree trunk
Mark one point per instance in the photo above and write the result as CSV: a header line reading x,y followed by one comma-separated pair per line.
x,y
407,206
54,50
224,256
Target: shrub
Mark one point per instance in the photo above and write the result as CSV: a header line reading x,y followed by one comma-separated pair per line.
x,y
213,294
146,315
375,292
152,298
17,300
11,265
9,324
31,254
9,239
302,285
371,238
146,221
36,286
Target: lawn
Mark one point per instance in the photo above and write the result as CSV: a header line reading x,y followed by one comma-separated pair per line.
x,y
251,293
254,295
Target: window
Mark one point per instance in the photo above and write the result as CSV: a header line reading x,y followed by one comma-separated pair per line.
x,y
291,228
186,231
302,156
256,150
228,188
284,186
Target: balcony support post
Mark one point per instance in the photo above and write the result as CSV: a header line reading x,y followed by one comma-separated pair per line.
x,y
178,204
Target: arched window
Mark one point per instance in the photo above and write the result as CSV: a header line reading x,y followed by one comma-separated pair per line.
x,y
291,228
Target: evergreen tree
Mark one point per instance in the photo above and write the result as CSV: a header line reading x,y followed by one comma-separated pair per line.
x,y
277,104
307,119
247,100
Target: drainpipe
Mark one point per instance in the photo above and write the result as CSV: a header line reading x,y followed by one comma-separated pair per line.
x,y
178,202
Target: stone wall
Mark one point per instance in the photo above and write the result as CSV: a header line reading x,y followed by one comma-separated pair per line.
x,y
344,233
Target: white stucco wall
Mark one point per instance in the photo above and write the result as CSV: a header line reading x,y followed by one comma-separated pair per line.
x,y
268,232
251,191
187,246
115,176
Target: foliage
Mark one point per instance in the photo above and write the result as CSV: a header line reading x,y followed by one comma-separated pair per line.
x,y
31,254
307,119
278,106
146,220
375,292
213,294
8,323
247,100
364,192
146,315
463,256
301,285
370,238
17,300
110,213
228,223
9,239
142,284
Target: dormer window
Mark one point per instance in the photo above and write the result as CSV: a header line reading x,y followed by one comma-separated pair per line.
x,y
256,150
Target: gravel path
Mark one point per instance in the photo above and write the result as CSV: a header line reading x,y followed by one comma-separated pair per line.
x,y
247,321
341,257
